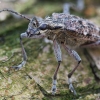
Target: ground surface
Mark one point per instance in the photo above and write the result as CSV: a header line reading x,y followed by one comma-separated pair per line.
x,y
34,81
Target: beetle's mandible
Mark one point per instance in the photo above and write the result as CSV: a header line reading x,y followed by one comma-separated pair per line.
x,y
64,30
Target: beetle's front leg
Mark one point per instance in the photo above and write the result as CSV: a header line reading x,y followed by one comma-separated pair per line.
x,y
57,53
24,55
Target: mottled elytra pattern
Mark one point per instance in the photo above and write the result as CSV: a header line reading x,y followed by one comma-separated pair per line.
x,y
75,30
63,29
76,24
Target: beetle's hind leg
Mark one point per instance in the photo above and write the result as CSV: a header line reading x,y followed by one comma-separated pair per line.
x,y
75,55
57,53
70,81
54,82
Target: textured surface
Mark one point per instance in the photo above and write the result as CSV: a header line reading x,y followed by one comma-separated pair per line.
x,y
75,31
22,84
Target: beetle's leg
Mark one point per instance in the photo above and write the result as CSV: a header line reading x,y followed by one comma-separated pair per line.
x,y
24,55
75,55
57,53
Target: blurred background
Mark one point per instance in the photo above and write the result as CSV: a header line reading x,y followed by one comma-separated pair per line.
x,y
34,81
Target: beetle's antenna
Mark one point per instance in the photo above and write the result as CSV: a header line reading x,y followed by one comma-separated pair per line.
x,y
23,16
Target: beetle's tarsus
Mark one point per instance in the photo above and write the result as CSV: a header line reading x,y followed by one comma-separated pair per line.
x,y
71,86
72,89
16,68
54,88
19,66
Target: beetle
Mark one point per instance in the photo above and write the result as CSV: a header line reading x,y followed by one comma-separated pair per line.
x,y
64,30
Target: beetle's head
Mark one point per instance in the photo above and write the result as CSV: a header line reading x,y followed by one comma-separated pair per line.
x,y
32,28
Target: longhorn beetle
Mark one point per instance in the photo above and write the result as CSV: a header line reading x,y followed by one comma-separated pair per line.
x,y
64,30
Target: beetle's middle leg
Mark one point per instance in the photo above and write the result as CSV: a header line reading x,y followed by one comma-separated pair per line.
x,y
75,55
57,53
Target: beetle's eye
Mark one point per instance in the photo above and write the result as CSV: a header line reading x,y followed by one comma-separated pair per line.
x,y
34,24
